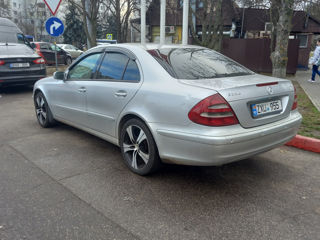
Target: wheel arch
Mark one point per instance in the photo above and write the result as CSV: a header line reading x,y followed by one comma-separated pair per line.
x,y
126,117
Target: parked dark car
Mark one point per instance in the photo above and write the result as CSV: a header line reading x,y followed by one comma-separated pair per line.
x,y
19,64
47,52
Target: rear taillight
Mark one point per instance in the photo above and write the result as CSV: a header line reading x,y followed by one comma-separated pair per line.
x,y
2,62
295,102
39,61
213,111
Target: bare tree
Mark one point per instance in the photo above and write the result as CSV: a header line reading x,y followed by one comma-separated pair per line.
x,y
121,11
89,10
5,9
281,15
210,17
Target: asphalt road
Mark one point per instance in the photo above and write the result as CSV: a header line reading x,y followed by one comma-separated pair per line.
x,y
62,183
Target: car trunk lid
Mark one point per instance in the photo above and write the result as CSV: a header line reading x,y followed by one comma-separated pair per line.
x,y
252,96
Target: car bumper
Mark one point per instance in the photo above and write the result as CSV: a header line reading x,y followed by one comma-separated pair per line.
x,y
210,149
16,80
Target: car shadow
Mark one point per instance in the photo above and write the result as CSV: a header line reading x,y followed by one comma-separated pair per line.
x,y
18,89
248,175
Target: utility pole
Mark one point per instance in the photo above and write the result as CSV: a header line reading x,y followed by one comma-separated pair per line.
x,y
143,22
185,22
163,22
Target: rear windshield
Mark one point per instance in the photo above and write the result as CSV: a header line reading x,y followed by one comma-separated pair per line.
x,y
9,37
15,49
197,63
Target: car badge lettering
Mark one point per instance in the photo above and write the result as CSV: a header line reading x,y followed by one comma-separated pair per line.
x,y
233,94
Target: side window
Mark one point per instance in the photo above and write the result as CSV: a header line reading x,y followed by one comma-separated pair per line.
x,y
112,66
54,47
85,68
132,72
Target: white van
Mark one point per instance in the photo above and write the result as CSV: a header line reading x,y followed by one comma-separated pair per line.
x,y
10,33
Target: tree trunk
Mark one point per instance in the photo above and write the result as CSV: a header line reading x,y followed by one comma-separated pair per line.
x,y
279,56
118,21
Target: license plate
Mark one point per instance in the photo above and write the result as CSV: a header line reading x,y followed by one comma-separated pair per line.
x,y
259,109
19,65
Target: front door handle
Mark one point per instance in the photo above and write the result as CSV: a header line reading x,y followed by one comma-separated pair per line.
x,y
121,93
82,90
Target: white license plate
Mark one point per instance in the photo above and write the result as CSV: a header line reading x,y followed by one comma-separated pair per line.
x,y
19,65
266,107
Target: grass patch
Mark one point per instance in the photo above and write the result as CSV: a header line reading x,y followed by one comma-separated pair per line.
x,y
310,126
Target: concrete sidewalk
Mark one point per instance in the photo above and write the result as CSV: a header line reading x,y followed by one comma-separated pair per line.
x,y
311,89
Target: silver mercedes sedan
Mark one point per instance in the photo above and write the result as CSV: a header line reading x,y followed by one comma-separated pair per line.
x,y
171,104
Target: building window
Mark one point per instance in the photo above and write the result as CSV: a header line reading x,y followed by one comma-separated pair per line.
x,y
14,4
303,40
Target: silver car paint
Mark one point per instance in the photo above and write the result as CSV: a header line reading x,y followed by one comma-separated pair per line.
x,y
163,103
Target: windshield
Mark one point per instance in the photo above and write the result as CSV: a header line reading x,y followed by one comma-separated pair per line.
x,y
197,63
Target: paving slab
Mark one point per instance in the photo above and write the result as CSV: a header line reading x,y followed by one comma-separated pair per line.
x,y
311,89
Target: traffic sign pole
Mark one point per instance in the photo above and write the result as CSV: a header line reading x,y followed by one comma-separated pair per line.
x,y
55,28
55,55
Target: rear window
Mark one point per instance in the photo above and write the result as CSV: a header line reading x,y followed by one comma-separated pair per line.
x,y
8,37
197,63
15,49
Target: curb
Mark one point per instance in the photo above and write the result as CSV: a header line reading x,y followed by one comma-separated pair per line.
x,y
305,143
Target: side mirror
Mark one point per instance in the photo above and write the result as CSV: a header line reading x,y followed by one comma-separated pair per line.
x,y
58,75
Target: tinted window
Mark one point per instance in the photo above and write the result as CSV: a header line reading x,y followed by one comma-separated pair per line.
x,y
85,68
15,49
7,36
112,66
197,63
132,72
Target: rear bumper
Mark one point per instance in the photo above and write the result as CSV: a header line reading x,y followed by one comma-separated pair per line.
x,y
211,150
16,80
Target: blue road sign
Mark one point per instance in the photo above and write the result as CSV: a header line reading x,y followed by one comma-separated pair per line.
x,y
54,26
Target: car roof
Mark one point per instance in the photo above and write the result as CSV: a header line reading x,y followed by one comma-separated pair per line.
x,y
149,46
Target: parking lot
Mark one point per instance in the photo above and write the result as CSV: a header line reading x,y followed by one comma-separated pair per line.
x,y
62,183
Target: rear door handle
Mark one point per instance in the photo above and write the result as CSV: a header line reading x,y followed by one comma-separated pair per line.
x,y
121,93
82,89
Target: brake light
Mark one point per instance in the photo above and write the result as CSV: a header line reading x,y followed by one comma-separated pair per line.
x,y
213,111
2,62
266,84
295,102
39,61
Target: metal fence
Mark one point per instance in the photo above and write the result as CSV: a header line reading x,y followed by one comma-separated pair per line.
x,y
255,53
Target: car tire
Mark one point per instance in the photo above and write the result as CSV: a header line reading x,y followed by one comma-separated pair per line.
x,y
68,61
138,148
43,112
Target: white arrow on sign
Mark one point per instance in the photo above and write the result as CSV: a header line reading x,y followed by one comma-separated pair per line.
x,y
53,5
55,26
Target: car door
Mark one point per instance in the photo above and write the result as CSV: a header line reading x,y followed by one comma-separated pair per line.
x,y
68,97
116,82
60,53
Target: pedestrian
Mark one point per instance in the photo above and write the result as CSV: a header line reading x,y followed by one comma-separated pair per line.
x,y
315,61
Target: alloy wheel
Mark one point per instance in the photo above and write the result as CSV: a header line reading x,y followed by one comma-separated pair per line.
x,y
41,109
136,147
